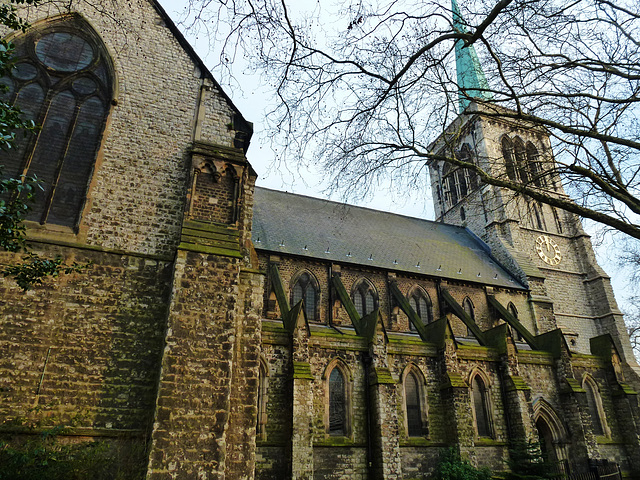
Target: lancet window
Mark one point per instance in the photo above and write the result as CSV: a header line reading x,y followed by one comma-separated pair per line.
x,y
364,298
415,407
306,288
480,397
421,304
458,182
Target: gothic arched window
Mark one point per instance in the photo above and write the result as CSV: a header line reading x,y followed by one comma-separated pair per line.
x,y
458,182
514,313
364,298
467,306
337,403
62,80
521,160
414,405
421,304
535,166
509,161
594,402
480,397
305,288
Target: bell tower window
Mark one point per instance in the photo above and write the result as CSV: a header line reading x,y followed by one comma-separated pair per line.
x,y
62,80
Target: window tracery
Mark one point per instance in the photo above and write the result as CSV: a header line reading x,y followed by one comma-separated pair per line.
x,y
62,80
421,304
306,288
458,182
364,298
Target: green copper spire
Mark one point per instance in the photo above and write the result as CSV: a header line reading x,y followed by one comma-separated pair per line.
x,y
471,79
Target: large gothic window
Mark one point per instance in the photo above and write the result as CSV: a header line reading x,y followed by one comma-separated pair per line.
x,y
337,403
458,182
62,81
594,403
364,298
305,288
480,397
535,166
509,161
421,304
467,306
414,405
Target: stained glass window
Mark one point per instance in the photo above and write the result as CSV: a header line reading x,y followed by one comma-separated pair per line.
x,y
337,403
61,82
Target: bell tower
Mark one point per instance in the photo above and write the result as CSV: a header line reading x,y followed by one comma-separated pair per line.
x,y
546,247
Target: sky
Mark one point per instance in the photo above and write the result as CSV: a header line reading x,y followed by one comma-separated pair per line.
x,y
253,100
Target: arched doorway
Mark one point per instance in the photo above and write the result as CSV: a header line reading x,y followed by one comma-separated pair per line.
x,y
552,435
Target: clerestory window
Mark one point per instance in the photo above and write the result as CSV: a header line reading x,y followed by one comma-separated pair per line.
x,y
364,298
421,304
62,80
305,288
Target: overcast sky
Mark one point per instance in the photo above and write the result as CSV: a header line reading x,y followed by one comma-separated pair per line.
x,y
252,100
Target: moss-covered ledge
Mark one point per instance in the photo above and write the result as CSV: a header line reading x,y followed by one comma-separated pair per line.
x,y
338,441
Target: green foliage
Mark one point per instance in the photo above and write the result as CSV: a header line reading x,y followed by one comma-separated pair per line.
x,y
453,467
527,462
34,269
47,457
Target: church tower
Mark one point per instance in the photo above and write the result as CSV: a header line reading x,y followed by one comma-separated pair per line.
x,y
545,247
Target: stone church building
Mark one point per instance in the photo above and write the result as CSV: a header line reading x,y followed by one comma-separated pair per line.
x,y
226,331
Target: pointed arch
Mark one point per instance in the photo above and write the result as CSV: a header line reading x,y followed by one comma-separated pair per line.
x,y
534,165
415,404
594,403
551,431
63,80
338,390
364,296
305,286
481,403
511,308
519,151
421,303
509,159
468,307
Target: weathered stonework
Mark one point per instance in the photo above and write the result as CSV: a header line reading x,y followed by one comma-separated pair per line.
x,y
187,339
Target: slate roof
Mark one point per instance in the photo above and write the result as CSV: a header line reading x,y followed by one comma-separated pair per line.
x,y
293,224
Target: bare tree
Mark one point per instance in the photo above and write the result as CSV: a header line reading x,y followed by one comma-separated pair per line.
x,y
364,88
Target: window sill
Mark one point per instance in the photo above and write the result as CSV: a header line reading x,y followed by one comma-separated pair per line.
x,y
489,442
336,441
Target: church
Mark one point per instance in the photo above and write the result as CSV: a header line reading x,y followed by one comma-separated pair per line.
x,y
225,331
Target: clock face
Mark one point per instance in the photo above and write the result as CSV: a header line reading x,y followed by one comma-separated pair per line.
x,y
548,250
